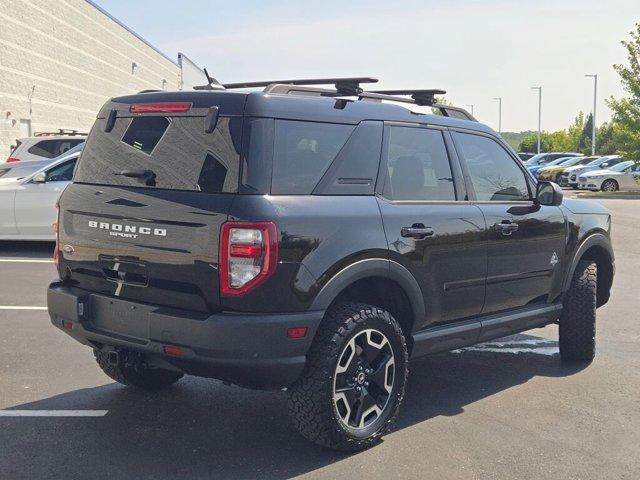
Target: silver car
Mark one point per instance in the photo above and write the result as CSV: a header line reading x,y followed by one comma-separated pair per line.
x,y
27,205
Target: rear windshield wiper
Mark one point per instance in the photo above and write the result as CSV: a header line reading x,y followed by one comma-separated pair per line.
x,y
146,176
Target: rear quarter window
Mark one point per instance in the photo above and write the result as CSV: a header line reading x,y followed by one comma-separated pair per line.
x,y
302,153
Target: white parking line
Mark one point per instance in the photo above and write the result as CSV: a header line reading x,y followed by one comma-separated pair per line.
x,y
19,307
25,260
53,413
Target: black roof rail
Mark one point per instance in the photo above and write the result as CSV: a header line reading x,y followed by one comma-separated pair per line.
x,y
422,96
344,86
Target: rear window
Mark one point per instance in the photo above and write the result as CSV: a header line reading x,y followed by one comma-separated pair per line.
x,y
176,150
53,148
302,152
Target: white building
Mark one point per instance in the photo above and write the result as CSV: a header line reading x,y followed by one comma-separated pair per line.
x,y
60,60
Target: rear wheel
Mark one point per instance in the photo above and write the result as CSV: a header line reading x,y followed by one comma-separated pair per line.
x,y
578,319
350,392
609,185
131,370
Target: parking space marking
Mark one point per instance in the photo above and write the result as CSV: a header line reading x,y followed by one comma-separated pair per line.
x,y
53,413
20,307
25,260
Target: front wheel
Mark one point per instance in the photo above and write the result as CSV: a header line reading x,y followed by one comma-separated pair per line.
x,y
578,318
350,392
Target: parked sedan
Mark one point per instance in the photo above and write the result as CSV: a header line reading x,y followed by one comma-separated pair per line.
x,y
623,176
27,205
570,176
545,158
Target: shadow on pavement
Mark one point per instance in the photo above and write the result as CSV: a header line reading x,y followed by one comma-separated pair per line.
x,y
39,250
199,428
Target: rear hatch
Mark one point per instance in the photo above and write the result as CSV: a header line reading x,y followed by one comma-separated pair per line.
x,y
155,182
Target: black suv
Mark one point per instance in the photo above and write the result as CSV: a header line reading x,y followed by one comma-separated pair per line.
x,y
314,240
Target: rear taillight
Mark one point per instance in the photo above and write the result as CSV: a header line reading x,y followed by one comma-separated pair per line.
x,y
12,159
56,229
248,256
164,107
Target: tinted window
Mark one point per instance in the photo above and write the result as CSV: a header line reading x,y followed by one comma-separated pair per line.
x,y
176,149
144,133
62,172
355,169
494,174
417,165
53,148
302,152
257,154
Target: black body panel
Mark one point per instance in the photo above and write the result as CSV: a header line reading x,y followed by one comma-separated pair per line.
x,y
139,264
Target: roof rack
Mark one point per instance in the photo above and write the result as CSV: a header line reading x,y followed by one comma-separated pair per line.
x,y
344,86
61,131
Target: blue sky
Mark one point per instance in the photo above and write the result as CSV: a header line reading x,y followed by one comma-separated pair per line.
x,y
476,50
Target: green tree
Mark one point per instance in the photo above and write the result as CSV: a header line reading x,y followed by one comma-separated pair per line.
x,y
585,139
626,111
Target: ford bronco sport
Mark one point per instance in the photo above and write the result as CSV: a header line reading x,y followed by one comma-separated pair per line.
x,y
314,239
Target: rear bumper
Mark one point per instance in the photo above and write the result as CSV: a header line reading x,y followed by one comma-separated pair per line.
x,y
252,350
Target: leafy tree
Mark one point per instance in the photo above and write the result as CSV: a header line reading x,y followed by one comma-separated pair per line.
x,y
626,111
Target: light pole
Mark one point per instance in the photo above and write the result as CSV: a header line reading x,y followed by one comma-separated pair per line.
x,y
470,105
595,97
539,113
499,113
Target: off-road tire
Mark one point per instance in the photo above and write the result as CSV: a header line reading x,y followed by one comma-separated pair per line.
x,y
136,373
578,319
310,403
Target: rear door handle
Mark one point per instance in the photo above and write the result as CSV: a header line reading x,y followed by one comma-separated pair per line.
x,y
506,227
417,230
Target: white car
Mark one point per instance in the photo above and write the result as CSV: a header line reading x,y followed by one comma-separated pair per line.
x,y
623,176
570,176
43,147
28,205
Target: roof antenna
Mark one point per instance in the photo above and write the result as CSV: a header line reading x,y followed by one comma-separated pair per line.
x,y
212,84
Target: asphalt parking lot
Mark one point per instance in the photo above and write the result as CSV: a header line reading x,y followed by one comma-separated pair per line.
x,y
504,410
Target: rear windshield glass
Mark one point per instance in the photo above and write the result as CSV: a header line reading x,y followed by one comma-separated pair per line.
x,y
302,152
163,152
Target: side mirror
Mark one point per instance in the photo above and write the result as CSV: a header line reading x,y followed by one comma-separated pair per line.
x,y
39,177
604,165
549,193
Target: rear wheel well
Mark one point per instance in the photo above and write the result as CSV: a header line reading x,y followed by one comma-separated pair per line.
x,y
604,262
383,293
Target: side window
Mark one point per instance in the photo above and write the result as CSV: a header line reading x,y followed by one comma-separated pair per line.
x,y
494,174
302,152
417,165
62,173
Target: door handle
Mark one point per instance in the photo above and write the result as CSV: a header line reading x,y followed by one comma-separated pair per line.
x,y
506,227
417,230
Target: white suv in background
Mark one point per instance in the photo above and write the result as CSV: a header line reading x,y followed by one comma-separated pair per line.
x,y
43,147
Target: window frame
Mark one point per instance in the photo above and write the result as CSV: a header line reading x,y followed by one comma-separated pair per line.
x,y
459,187
528,178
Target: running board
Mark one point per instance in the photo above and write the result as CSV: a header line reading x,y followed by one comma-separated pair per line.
x,y
481,329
